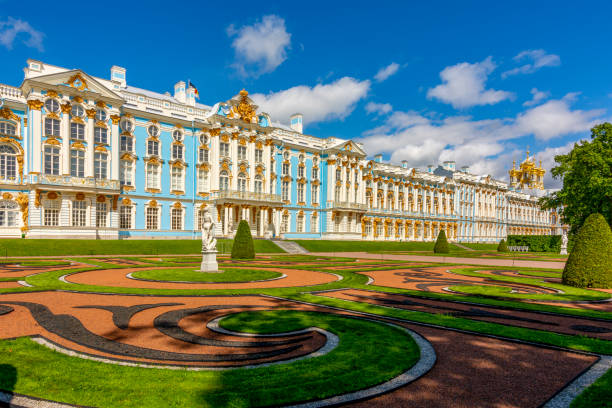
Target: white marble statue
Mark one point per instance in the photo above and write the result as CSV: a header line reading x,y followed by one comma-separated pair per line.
x,y
209,242
563,243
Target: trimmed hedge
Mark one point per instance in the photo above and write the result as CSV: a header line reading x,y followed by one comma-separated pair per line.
x,y
502,247
243,242
441,246
589,265
536,243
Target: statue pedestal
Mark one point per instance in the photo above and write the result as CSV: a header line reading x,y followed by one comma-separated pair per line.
x,y
209,262
563,251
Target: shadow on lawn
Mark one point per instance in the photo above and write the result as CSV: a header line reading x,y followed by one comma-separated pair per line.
x,y
8,379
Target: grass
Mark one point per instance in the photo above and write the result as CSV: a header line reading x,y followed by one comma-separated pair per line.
x,y
190,275
599,394
362,246
56,247
369,353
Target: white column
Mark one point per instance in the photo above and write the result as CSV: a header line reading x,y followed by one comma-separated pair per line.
x,y
89,138
114,175
214,158
65,132
36,129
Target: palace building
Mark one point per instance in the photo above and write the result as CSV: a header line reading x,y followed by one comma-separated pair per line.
x,y
86,157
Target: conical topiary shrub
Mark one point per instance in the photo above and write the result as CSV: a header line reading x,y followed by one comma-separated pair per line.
x,y
441,246
243,242
589,264
502,247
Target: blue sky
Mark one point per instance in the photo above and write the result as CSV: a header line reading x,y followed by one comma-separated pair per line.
x,y
475,82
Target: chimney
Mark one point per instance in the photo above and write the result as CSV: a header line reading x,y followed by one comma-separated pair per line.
x,y
404,164
118,75
296,122
378,158
465,169
179,92
430,168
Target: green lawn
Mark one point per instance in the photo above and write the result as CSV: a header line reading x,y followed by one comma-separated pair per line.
x,y
191,275
363,246
52,247
597,395
368,353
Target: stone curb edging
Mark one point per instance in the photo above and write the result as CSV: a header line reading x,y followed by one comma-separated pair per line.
x,y
564,398
422,366
20,400
130,276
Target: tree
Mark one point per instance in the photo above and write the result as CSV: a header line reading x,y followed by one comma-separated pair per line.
x,y
441,246
589,264
587,179
502,247
243,247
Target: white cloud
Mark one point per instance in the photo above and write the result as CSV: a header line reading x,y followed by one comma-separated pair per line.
x,y
10,28
386,72
487,146
538,59
537,97
322,102
555,118
261,47
378,108
463,85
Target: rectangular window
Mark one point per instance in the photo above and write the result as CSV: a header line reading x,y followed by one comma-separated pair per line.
x,y
314,223
125,173
152,148
300,223
101,215
177,219
77,163
202,181
314,194
285,191
242,153
258,155
315,173
300,193
100,166
203,155
285,223
152,176
51,217
52,160
101,135
177,152
301,172
77,131
127,143
176,182
285,169
79,213
152,218
52,127
125,217
224,149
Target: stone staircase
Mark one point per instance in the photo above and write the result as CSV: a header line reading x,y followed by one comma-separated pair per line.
x,y
289,247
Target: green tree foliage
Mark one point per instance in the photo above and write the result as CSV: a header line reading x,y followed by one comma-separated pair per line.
x,y
589,264
441,246
537,243
502,247
587,179
243,242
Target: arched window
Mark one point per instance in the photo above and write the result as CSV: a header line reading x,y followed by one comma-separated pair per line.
x,y
101,115
8,163
9,212
314,223
242,181
77,111
300,223
223,181
258,184
126,125
8,129
369,199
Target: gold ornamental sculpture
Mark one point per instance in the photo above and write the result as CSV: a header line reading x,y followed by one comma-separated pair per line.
x,y
527,175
